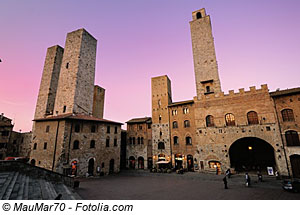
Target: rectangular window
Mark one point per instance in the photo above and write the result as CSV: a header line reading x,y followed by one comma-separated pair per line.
x,y
108,129
5,133
107,142
116,130
45,145
115,142
140,127
149,126
65,108
47,128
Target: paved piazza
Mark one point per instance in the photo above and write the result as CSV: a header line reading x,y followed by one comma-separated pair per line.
x,y
143,185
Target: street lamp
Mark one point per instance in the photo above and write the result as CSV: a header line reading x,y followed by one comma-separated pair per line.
x,y
250,147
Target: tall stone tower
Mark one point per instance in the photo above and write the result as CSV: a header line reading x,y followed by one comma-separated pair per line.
x,y
76,81
205,62
49,82
98,105
161,98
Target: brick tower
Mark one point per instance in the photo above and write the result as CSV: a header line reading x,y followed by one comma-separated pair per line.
x,y
49,82
205,62
161,98
76,81
98,103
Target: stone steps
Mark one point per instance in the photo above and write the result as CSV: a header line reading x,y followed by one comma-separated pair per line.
x,y
16,186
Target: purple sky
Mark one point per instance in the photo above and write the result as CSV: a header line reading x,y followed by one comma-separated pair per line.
x,y
256,41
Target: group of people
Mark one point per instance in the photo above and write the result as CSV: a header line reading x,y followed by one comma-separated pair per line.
x,y
247,177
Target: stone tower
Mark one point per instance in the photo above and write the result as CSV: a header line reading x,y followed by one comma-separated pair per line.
x,y
98,103
49,82
205,62
76,81
161,99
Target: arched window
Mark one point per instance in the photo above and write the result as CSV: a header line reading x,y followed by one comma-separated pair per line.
x,y
130,140
92,144
287,115
175,124
77,128
229,118
188,140
209,121
186,123
186,110
139,140
175,139
133,140
76,144
252,118
142,140
161,145
34,146
292,138
198,15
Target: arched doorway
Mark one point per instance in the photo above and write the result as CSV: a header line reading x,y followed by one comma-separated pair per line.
x,y
111,166
190,163
251,154
32,162
178,161
74,168
295,163
131,162
91,166
140,162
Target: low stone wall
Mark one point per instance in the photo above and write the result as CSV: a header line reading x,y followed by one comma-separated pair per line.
x,y
36,172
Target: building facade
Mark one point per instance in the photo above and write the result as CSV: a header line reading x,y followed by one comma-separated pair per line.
x,y
69,133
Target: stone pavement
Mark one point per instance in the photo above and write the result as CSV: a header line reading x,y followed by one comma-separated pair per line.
x,y
143,185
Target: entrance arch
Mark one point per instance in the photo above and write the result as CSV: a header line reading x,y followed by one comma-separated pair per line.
x,y
251,153
295,163
140,162
91,166
112,166
131,162
190,163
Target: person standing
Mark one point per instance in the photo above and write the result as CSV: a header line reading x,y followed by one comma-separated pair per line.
x,y
225,182
248,180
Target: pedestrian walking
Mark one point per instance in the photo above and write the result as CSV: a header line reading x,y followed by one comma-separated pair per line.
x,y
225,182
228,173
259,176
248,180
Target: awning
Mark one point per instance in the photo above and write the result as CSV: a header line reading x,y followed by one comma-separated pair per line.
x,y
161,162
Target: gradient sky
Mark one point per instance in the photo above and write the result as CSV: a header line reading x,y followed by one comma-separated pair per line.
x,y
256,41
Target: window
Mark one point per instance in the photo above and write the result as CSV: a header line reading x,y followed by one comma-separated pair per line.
x,y
140,127
130,140
139,140
252,118
142,140
115,142
107,142
67,66
207,89
175,139
102,165
174,112
161,145
45,145
160,133
198,15
175,124
159,118
47,128
64,109
149,126
133,140
92,144
116,129
186,123
76,144
292,138
229,118
188,140
35,146
93,129
108,129
287,115
209,121
5,133
77,128
186,110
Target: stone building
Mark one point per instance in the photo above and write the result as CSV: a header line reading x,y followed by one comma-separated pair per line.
x,y
139,147
6,128
246,130
69,132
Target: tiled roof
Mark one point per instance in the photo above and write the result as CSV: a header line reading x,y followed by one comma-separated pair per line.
x,y
140,120
76,117
285,92
181,103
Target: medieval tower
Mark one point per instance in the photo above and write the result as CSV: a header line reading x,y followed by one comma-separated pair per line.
x,y
205,62
161,99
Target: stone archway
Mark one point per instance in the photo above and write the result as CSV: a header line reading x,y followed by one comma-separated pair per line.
x,y
251,154
131,162
140,162
91,166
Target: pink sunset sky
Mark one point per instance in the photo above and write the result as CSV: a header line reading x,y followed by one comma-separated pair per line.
x,y
256,42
